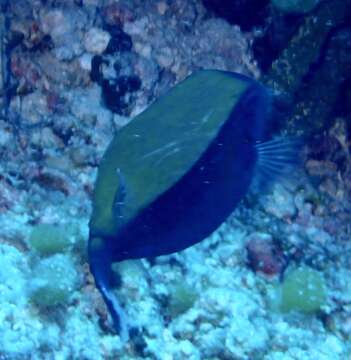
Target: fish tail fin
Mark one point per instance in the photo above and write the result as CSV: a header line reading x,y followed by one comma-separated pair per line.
x,y
277,158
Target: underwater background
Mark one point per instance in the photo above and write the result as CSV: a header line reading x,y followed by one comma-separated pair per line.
x,y
273,282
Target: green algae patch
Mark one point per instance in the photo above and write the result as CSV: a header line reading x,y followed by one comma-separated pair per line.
x,y
181,298
48,239
54,280
303,290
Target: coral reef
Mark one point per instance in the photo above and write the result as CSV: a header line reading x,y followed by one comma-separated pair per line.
x,y
316,58
59,61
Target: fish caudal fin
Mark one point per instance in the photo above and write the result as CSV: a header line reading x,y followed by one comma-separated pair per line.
x,y
276,158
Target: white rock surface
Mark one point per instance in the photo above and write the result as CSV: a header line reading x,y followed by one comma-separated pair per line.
x,y
96,40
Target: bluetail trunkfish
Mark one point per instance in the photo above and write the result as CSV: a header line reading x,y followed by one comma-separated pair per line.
x,y
175,173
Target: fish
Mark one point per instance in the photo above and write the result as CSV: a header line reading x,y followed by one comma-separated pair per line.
x,y
176,172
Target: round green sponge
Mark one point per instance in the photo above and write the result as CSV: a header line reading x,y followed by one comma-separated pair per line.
x,y
54,280
303,290
181,298
48,239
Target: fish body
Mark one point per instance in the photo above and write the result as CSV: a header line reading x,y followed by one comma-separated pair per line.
x,y
177,171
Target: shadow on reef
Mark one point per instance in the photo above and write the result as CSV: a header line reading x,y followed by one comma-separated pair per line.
x,y
314,67
245,13
303,50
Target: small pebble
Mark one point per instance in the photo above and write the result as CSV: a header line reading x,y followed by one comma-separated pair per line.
x,y
96,40
280,203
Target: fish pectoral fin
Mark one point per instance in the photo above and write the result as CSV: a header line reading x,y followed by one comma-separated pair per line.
x,y
120,197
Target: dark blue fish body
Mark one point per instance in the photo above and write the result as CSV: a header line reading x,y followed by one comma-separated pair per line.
x,y
205,196
170,190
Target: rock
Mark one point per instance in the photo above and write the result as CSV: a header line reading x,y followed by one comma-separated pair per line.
x,y
6,135
27,73
64,29
21,331
54,281
273,39
320,168
318,57
55,180
264,255
85,61
318,236
47,139
55,23
96,40
162,7
280,203
34,108
118,13
61,73
164,57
